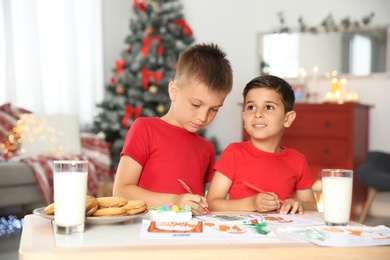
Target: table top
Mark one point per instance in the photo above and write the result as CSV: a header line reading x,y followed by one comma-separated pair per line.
x,y
123,240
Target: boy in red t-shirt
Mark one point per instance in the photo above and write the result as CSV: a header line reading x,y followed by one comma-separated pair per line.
x,y
281,173
159,151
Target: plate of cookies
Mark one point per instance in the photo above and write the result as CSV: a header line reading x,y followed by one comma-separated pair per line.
x,y
103,210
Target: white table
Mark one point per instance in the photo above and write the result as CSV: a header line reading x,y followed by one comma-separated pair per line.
x,y
122,241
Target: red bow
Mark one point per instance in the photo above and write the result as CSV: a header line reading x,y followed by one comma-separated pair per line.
x,y
146,74
148,42
186,28
130,111
119,66
140,4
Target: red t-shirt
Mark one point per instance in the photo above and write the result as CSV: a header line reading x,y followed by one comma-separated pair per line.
x,y
168,153
281,173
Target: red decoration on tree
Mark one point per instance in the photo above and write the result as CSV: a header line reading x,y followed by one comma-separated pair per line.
x,y
160,50
140,4
186,28
148,42
120,66
129,48
113,80
129,112
146,74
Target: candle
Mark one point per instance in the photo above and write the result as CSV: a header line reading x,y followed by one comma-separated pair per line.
x,y
335,83
343,88
335,86
302,75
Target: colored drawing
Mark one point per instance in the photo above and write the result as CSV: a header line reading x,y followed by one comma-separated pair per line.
x,y
273,220
241,228
343,236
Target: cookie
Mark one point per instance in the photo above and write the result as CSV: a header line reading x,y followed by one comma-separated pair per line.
x,y
91,205
110,202
136,211
49,209
134,207
110,212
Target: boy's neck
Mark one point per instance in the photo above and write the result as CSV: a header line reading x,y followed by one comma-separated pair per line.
x,y
268,146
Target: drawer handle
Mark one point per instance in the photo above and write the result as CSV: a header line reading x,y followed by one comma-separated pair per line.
x,y
327,123
326,150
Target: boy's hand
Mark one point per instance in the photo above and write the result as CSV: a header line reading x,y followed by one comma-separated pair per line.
x,y
291,205
263,202
196,202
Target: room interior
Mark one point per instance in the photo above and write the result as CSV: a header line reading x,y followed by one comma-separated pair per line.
x,y
237,29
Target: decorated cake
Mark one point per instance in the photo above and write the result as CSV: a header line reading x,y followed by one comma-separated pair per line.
x,y
170,213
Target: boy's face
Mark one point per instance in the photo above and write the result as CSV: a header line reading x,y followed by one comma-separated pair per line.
x,y
193,105
264,115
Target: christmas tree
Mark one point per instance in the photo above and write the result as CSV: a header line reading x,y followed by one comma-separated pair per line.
x,y
139,85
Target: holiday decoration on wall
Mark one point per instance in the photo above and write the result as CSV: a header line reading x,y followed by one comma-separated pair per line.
x,y
328,24
139,84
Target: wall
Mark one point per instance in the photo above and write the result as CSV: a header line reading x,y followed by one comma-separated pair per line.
x,y
234,26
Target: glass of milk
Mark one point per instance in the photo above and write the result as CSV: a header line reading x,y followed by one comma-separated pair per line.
x,y
70,190
337,196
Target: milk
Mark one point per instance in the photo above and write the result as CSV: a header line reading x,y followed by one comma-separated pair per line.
x,y
337,196
70,190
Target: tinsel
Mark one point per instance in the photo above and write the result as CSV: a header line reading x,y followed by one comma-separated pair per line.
x,y
10,226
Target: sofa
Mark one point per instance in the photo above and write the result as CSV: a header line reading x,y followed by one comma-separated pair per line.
x,y
26,168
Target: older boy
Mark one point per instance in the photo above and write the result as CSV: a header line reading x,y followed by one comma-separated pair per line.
x,y
159,151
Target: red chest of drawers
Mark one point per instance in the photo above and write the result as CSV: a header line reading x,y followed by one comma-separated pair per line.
x,y
331,136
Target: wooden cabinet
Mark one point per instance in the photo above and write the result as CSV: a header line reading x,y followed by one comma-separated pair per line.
x,y
331,136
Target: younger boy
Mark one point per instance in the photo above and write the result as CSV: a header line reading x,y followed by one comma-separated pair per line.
x,y
282,172
159,151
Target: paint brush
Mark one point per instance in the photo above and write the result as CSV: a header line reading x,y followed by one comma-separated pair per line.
x,y
190,191
259,190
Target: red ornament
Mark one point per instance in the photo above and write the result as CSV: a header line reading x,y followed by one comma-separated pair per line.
x,y
140,4
120,66
113,80
146,74
129,112
186,28
148,43
129,48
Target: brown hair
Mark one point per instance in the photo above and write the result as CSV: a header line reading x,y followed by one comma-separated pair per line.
x,y
206,63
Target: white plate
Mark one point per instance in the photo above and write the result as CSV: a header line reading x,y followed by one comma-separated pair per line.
x,y
93,220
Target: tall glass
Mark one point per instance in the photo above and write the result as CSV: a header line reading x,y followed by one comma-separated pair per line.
x,y
70,190
337,196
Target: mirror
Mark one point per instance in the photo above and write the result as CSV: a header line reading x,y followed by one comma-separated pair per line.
x,y
361,52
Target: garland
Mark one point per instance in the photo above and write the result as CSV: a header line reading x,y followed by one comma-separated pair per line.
x,y
328,24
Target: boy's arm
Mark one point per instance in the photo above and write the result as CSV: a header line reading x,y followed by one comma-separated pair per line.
x,y
308,200
219,188
126,186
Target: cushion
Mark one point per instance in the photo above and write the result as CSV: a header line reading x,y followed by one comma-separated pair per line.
x,y
55,134
8,116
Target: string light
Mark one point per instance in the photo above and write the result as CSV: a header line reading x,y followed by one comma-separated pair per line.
x,y
27,129
10,225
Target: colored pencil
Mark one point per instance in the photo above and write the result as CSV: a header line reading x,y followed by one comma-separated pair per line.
x,y
190,191
258,189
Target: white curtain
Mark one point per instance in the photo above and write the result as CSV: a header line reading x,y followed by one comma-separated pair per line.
x,y
51,58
